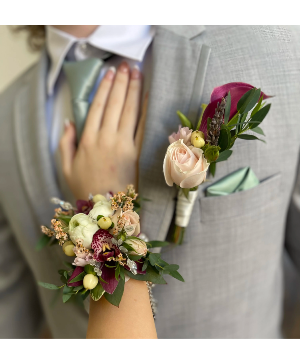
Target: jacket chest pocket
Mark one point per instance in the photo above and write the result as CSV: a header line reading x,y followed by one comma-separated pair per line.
x,y
253,202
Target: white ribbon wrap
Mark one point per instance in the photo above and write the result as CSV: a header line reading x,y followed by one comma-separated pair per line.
x,y
184,208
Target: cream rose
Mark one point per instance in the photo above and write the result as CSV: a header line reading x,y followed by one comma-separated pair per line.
x,y
131,220
185,166
82,227
138,245
101,208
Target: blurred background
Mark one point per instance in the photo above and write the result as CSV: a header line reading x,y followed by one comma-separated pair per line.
x,y
16,58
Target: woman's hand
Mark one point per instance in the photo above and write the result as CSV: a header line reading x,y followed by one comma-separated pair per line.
x,y
107,155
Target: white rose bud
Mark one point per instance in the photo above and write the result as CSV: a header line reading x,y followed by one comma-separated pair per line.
x,y
197,139
90,281
82,227
98,198
138,245
101,208
68,248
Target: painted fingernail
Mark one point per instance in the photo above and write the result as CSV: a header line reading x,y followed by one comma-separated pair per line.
x,y
124,67
136,73
110,74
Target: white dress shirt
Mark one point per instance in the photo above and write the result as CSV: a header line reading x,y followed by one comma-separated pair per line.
x,y
127,42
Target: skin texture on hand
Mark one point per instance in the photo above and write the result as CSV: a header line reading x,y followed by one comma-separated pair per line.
x,y
107,155
132,320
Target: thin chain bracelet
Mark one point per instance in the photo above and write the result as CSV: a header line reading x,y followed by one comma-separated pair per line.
x,y
153,301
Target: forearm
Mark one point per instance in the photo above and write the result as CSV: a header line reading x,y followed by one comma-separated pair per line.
x,y
132,320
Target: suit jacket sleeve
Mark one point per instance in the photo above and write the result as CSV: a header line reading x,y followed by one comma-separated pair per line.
x,y
20,314
293,224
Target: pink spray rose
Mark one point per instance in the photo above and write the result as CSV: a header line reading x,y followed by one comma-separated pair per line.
x,y
185,166
130,219
183,133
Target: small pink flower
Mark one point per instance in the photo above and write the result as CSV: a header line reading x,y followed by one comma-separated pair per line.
x,y
183,133
80,262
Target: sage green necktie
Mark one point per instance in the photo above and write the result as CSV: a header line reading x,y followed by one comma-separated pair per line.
x,y
81,77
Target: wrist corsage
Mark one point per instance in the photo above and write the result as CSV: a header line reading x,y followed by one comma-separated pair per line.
x,y
234,110
103,234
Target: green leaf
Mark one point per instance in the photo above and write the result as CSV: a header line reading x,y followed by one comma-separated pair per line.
x,y
61,271
176,275
184,120
122,272
185,191
43,241
66,274
89,269
97,292
152,275
245,100
78,288
257,107
259,116
145,265
233,121
99,217
227,108
249,137
102,280
63,279
157,243
49,285
135,258
154,258
85,294
78,278
224,156
253,101
66,219
67,290
116,297
171,267
224,139
258,130
69,265
128,247
66,297
212,168
117,272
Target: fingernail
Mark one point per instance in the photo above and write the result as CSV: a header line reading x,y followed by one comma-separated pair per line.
x,y
124,67
67,122
136,73
110,74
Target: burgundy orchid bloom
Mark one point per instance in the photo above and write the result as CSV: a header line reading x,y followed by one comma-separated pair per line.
x,y
76,272
237,90
103,250
84,206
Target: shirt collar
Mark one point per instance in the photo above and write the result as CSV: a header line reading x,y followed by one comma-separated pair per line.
x,y
129,41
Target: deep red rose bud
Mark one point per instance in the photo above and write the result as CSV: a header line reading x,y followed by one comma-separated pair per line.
x,y
76,273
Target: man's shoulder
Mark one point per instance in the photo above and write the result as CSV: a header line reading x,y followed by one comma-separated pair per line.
x,y
7,96
255,37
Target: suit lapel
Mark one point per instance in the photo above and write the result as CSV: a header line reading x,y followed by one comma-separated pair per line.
x,y
175,61
31,142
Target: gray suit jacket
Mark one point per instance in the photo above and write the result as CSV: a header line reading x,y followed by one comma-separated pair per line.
x,y
232,257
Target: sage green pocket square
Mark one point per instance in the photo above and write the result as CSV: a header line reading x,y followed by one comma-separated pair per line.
x,y
241,180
